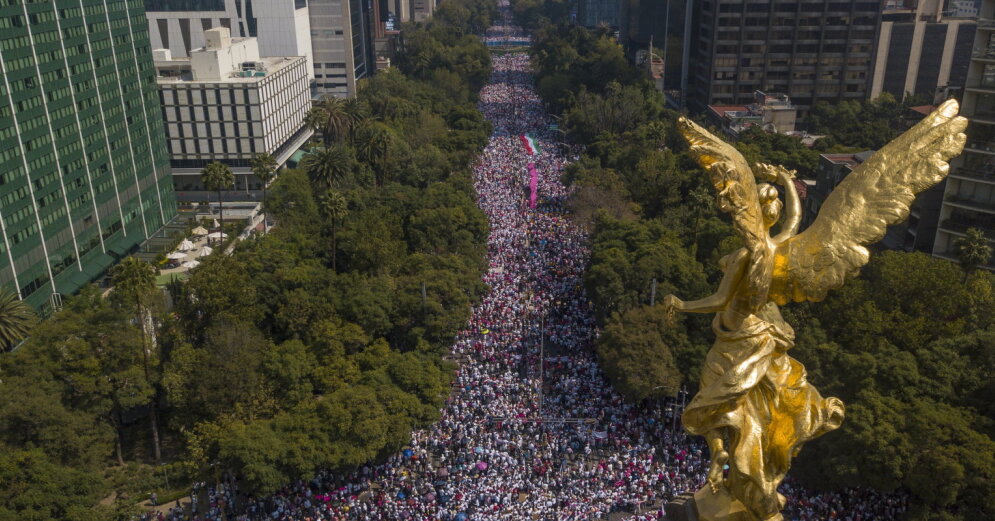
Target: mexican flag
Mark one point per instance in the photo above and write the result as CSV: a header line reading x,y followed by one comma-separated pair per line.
x,y
530,144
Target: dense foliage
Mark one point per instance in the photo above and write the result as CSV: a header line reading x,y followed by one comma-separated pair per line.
x,y
867,125
319,345
908,346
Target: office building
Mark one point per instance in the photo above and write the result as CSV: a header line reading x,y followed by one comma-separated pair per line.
x,y
963,8
662,24
84,173
922,51
342,45
282,26
227,103
969,191
811,51
592,13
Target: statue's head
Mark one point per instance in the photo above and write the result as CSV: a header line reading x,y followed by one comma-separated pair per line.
x,y
770,204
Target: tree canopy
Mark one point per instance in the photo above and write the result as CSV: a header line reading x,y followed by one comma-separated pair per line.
x,y
316,346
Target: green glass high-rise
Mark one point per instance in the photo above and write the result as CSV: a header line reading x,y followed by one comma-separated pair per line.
x,y
84,170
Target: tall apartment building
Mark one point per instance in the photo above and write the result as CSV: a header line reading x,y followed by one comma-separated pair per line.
x,y
969,191
810,50
84,173
592,13
227,103
342,45
282,26
922,49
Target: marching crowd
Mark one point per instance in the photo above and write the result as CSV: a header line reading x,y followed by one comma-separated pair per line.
x,y
506,33
532,430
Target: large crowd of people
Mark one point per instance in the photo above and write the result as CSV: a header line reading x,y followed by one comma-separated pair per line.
x,y
532,429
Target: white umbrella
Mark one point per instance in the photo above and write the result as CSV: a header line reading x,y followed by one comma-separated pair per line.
x,y
215,224
217,235
176,256
200,230
185,245
190,264
205,251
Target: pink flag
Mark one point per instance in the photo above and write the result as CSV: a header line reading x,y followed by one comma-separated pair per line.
x,y
533,185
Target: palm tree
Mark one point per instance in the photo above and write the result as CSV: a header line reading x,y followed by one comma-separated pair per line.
x,y
973,250
332,118
264,166
326,166
374,145
333,206
216,177
135,290
16,319
357,111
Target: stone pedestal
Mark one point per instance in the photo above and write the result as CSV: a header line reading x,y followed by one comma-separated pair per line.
x,y
719,506
681,508
704,505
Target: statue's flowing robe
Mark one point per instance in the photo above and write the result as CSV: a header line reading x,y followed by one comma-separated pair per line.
x,y
758,398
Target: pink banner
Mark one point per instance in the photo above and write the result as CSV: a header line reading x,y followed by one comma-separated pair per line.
x,y
533,185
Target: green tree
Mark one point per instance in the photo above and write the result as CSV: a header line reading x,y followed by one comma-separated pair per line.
x,y
334,207
264,167
32,488
898,345
375,144
96,353
332,117
16,319
637,351
326,166
135,290
33,416
215,177
973,250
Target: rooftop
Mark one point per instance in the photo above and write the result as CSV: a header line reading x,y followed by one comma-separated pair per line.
x,y
851,161
178,70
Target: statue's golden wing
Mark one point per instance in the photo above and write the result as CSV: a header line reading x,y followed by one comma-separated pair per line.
x,y
737,193
857,213
732,178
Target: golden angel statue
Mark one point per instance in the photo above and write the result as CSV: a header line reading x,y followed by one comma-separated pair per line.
x,y
754,406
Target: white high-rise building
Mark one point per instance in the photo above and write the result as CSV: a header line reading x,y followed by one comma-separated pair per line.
x,y
227,103
282,26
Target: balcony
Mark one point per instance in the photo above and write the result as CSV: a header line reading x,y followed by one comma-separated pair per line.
x,y
971,204
982,147
987,55
959,227
986,23
982,176
985,117
985,86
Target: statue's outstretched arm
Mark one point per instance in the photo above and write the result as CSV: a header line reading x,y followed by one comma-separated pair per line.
x,y
720,299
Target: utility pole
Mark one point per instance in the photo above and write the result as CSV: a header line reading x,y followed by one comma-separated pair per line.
x,y
653,293
542,356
